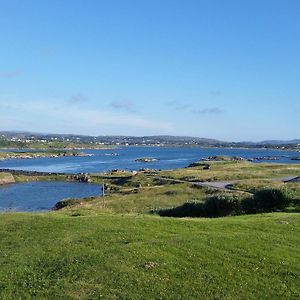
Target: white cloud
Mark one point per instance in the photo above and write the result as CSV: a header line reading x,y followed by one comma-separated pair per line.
x,y
50,116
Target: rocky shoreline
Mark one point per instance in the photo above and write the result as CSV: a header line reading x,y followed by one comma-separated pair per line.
x,y
80,177
32,155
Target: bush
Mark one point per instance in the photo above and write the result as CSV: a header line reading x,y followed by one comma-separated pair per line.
x,y
65,203
188,209
215,206
222,205
267,200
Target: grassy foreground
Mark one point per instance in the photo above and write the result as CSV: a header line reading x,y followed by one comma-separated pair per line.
x,y
114,249
56,256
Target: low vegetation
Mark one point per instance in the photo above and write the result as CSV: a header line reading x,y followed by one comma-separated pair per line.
x,y
117,247
6,178
56,256
265,200
237,170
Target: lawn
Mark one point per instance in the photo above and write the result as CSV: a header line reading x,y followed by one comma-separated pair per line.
x,y
113,248
56,256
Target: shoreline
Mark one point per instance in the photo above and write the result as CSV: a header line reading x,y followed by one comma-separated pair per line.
x,y
40,154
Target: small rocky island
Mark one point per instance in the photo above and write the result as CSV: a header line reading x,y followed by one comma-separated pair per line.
x,y
39,154
146,159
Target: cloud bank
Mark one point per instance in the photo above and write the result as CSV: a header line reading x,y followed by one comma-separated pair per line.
x,y
49,116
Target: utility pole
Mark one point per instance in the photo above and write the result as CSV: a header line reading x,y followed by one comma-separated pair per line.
x,y
103,194
103,190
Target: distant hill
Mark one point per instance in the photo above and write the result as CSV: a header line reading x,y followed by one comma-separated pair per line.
x,y
142,140
280,142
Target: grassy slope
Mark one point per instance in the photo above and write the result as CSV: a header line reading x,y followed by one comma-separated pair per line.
x,y
144,200
233,171
82,252
56,256
155,193
152,198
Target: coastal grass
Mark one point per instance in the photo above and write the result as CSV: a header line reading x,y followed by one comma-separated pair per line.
x,y
29,178
253,185
143,200
56,256
234,171
113,248
6,178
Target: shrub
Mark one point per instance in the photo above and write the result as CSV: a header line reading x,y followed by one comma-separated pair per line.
x,y
215,206
65,203
222,205
267,200
188,209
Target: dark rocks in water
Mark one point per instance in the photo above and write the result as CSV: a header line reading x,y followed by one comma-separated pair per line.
x,y
295,158
223,158
147,170
82,177
146,159
267,158
199,164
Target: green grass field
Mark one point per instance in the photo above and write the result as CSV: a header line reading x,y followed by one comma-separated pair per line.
x,y
113,248
234,171
54,256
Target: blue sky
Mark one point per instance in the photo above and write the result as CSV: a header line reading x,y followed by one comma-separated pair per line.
x,y
222,69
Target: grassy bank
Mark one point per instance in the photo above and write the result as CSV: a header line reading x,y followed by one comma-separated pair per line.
x,y
6,178
55,256
234,171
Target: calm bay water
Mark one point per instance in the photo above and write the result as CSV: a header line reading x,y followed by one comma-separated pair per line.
x,y
169,158
42,196
39,196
